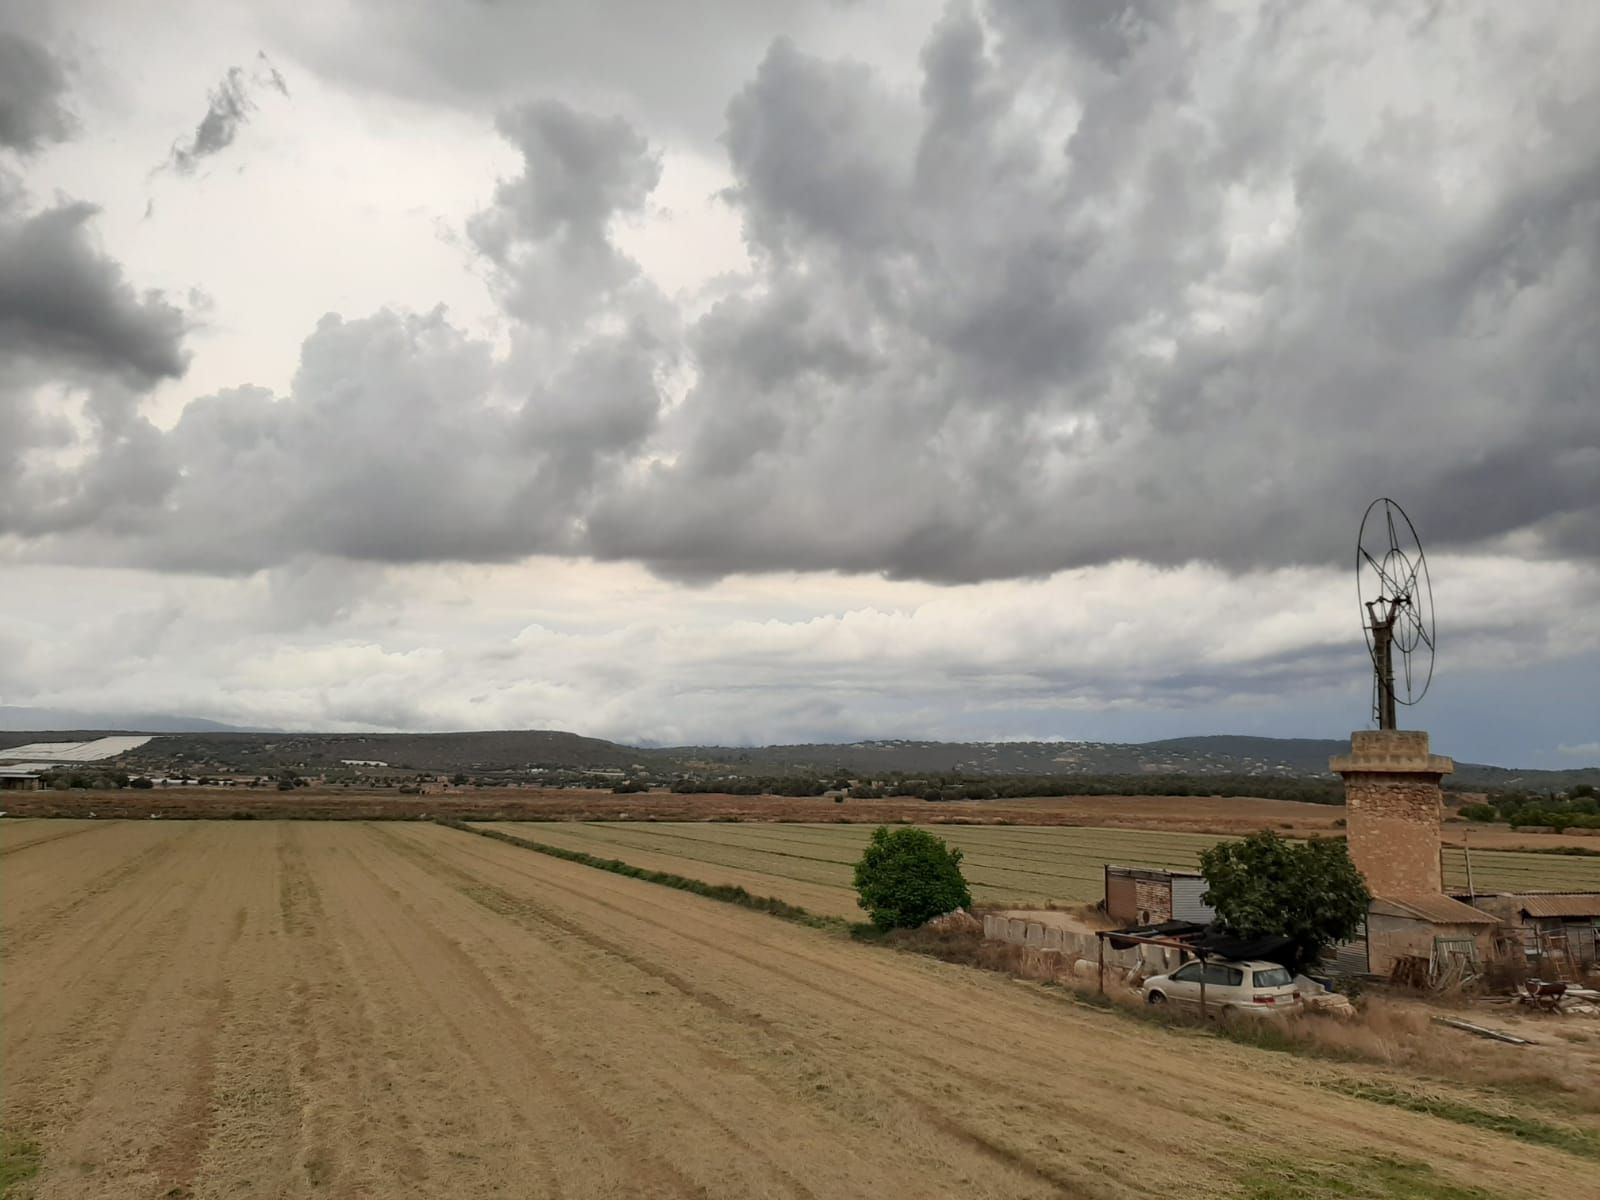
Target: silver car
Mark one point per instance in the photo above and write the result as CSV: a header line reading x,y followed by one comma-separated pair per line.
x,y
1251,989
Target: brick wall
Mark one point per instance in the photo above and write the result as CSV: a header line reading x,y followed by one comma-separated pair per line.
x,y
1154,900
1393,828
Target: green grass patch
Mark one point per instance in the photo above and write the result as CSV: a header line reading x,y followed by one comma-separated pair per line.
x,y
1585,1143
726,893
20,1160
1370,1179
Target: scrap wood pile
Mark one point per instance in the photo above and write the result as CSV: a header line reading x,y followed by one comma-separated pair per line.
x,y
1552,996
1439,972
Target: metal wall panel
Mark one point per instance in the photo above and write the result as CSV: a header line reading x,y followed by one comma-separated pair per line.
x,y
1186,902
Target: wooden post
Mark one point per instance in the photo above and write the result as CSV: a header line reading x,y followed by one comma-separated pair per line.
x,y
1102,942
1202,987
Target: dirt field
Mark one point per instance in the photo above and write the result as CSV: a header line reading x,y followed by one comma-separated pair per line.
x,y
1229,816
812,865
203,1009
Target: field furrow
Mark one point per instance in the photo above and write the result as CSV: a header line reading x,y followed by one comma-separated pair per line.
x,y
811,865
226,1009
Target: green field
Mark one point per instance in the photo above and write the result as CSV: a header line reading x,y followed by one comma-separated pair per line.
x,y
810,865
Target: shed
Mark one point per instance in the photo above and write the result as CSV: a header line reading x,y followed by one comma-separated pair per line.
x,y
1426,925
1150,896
23,776
1553,925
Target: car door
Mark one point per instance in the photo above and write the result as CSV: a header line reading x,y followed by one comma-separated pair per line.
x,y
1184,984
1224,984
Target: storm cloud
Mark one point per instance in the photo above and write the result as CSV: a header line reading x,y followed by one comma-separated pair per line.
x,y
1107,282
33,88
63,302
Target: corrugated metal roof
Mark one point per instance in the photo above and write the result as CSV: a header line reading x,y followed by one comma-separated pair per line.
x,y
23,770
90,751
1436,910
1569,904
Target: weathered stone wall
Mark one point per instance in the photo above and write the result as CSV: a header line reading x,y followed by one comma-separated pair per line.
x,y
1390,937
1393,825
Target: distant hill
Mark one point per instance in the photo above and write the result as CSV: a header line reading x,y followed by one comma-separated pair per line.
x,y
14,718
492,751
1217,754
509,752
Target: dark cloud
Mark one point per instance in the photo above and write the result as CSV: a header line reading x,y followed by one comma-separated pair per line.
x,y
33,90
548,230
230,106
1152,309
65,303
1111,281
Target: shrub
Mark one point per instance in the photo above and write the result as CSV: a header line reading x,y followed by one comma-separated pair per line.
x,y
907,876
1480,812
140,782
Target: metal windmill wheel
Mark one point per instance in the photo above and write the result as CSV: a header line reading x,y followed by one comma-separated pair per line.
x,y
1396,598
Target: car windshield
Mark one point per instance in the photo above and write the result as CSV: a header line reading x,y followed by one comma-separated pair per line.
x,y
1276,977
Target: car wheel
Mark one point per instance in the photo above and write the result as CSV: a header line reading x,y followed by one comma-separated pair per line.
x,y
1155,998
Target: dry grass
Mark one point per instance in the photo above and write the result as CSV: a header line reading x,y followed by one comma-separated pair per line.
x,y
1390,1031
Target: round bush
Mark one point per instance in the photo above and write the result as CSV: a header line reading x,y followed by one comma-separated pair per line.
x,y
908,876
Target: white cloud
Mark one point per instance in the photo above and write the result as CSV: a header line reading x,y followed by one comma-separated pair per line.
x,y
613,652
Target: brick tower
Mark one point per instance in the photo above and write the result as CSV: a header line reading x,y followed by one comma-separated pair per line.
x,y
1392,806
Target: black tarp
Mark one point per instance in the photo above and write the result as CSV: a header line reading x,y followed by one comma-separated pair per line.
x,y
1213,943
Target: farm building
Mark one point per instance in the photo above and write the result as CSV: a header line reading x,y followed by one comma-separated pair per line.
x,y
22,776
1393,799
1436,928
1555,927
1145,896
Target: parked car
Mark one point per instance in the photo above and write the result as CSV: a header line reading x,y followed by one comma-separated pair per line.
x,y
1252,989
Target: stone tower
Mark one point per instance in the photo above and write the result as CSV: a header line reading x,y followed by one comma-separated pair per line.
x,y
1392,806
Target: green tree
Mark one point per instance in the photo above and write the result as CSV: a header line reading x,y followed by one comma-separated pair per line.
x,y
1264,886
907,876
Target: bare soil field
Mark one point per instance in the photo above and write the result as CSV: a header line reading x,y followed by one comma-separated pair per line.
x,y
813,865
207,1009
1229,816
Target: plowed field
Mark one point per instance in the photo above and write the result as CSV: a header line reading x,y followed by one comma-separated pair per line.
x,y
813,865
241,1009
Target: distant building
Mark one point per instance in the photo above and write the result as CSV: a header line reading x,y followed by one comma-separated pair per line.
x,y
362,762
23,777
1146,896
1547,927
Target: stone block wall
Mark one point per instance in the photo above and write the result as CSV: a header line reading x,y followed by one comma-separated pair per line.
x,y
1392,821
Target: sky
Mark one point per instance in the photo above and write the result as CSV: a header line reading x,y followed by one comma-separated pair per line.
x,y
743,372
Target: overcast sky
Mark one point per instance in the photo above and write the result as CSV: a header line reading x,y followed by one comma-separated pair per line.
x,y
733,370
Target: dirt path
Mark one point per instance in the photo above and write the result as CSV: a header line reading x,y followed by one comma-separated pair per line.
x,y
281,1009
